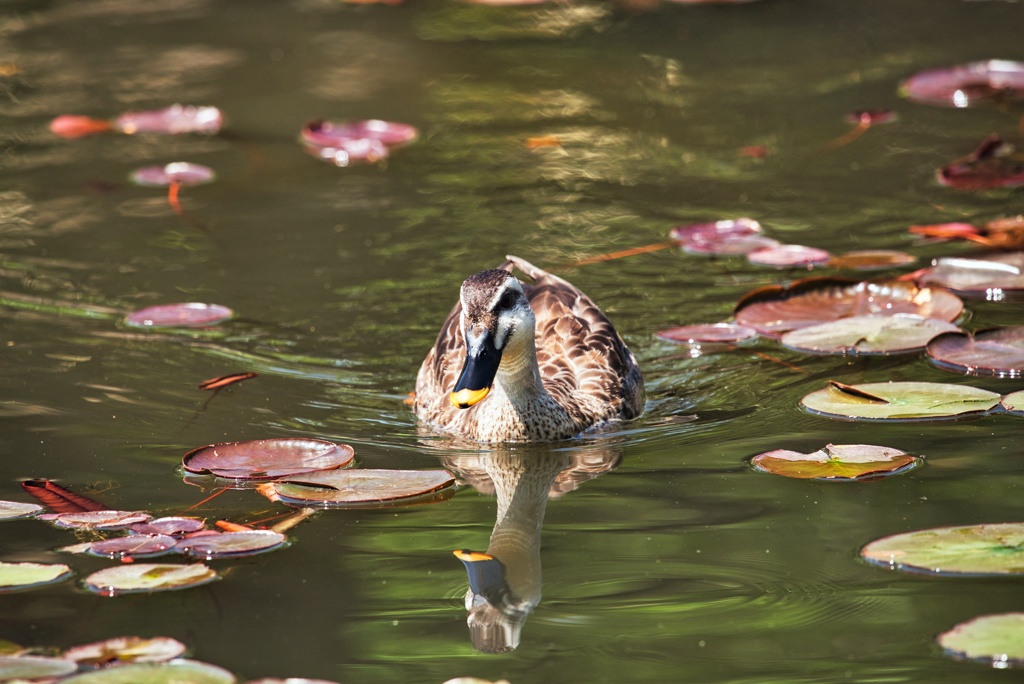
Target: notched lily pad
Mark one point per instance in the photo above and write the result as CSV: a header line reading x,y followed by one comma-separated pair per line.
x,y
230,544
997,352
870,334
120,650
138,578
900,401
23,668
18,576
267,459
994,639
836,462
993,549
176,671
367,487
777,309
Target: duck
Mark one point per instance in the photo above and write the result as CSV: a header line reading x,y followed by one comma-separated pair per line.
x,y
517,362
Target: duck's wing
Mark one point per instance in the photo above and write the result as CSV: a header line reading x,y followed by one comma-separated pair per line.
x,y
583,361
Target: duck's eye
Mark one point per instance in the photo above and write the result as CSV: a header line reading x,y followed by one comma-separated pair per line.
x,y
508,300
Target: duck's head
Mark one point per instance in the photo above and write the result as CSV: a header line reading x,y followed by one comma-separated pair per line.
x,y
495,313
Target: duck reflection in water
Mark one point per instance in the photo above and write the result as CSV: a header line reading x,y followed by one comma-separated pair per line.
x,y
505,581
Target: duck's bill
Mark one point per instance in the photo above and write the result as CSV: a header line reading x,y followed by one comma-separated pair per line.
x,y
486,575
478,373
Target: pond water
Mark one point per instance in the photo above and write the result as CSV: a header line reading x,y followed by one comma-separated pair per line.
x,y
663,557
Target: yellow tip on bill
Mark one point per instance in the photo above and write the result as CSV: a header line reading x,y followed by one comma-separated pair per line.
x,y
470,556
467,397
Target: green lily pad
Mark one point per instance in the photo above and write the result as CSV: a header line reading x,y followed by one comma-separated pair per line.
x,y
367,487
33,667
1014,402
16,576
171,672
12,510
995,639
836,462
899,400
148,577
868,334
994,549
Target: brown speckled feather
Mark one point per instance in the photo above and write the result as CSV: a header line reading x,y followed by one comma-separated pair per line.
x,y
584,364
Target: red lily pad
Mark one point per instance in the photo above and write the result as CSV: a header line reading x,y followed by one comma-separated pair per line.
x,y
74,126
788,256
992,549
172,526
997,640
776,309
997,352
120,650
173,120
135,578
871,259
267,459
836,462
133,546
967,85
725,333
96,520
870,334
992,278
899,401
369,487
181,173
988,167
230,544
331,134
183,315
350,151
713,231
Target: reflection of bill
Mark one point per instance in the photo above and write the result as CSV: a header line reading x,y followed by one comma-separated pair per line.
x,y
505,581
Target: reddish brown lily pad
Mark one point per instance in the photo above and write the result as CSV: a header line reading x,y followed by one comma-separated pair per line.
x,y
119,650
988,167
997,352
966,85
836,462
184,315
871,259
267,459
133,546
789,256
97,520
345,488
230,544
993,277
776,309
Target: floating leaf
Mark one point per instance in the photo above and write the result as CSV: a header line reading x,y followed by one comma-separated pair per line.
x,y
13,510
708,333
133,546
15,576
966,85
836,462
224,380
331,134
904,401
186,315
713,231
74,126
24,668
776,309
788,256
993,549
179,671
340,488
870,334
180,173
994,639
1014,402
871,259
988,167
997,352
97,520
172,526
992,277
59,499
137,578
173,120
267,459
302,680
120,650
231,544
